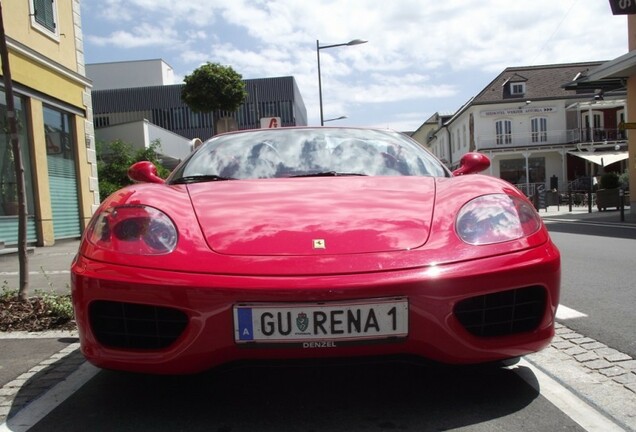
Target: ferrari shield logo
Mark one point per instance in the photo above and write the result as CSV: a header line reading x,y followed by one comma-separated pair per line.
x,y
302,321
319,244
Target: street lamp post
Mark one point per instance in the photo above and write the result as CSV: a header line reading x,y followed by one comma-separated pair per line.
x,y
318,48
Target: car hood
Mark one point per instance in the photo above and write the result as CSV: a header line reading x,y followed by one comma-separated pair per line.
x,y
314,216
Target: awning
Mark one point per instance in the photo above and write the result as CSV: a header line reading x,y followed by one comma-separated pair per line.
x,y
609,76
602,158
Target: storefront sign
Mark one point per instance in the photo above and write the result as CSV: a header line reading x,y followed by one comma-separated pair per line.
x,y
518,111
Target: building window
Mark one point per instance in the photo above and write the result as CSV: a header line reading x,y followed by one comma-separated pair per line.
x,y
44,16
8,178
593,130
504,132
597,120
518,88
539,129
58,134
620,117
464,138
514,170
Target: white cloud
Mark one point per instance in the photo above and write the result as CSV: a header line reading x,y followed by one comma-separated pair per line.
x,y
413,49
144,35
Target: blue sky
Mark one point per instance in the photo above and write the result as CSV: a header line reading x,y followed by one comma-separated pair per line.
x,y
422,56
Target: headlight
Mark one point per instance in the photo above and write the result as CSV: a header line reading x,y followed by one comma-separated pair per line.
x,y
496,218
138,230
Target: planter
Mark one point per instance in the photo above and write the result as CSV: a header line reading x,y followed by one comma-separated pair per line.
x,y
607,198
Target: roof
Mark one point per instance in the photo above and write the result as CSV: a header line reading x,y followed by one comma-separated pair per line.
x,y
542,82
611,75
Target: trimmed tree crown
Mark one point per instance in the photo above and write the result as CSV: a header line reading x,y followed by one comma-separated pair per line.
x,y
213,87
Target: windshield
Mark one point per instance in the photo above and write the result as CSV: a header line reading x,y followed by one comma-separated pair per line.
x,y
306,152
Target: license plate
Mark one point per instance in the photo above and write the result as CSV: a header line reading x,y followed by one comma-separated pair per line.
x,y
310,322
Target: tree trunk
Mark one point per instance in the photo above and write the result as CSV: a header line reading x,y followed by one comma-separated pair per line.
x,y
19,166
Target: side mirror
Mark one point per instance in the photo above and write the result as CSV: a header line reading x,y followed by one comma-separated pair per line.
x,y
472,163
144,172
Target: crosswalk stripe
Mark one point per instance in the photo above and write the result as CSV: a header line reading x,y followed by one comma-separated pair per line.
x,y
564,313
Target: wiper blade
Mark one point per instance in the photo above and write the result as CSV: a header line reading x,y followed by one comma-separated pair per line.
x,y
328,174
200,179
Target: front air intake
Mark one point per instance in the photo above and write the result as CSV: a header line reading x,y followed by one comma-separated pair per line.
x,y
502,313
135,326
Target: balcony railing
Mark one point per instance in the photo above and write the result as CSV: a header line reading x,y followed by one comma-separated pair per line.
x,y
551,137
523,139
587,135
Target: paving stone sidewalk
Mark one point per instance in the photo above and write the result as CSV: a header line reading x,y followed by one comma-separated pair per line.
x,y
596,357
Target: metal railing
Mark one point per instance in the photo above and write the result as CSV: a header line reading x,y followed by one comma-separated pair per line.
x,y
529,189
523,139
569,136
586,135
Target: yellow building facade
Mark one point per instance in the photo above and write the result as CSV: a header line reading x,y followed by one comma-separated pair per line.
x,y
53,108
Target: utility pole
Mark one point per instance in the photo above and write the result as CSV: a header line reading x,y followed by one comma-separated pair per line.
x,y
18,165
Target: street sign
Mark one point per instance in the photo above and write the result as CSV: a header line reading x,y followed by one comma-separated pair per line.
x,y
627,125
623,7
270,122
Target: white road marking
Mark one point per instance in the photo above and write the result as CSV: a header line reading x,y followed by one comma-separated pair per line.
x,y
587,416
617,224
559,220
31,414
35,273
46,334
564,313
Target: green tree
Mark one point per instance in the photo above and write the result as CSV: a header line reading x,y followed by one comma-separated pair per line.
x,y
114,159
213,87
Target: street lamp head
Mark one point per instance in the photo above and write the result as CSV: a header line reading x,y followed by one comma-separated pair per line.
x,y
334,119
356,42
350,43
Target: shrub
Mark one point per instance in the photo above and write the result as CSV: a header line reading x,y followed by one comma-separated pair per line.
x,y
609,181
114,159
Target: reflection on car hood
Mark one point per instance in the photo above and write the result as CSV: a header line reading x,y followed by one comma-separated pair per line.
x,y
315,216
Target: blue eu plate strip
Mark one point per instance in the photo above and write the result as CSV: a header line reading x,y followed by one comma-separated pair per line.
x,y
246,330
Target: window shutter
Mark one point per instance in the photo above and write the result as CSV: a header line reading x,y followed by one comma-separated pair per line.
x,y
44,13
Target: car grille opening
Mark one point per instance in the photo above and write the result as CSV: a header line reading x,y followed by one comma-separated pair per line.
x,y
502,313
136,326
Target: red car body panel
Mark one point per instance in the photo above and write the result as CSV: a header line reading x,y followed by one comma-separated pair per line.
x,y
436,221
252,241
283,216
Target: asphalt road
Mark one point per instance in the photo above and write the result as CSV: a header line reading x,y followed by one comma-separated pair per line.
x,y
597,273
381,397
598,280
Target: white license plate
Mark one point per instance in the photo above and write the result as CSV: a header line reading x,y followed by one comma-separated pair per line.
x,y
306,322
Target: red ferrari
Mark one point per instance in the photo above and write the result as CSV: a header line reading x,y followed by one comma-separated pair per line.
x,y
300,243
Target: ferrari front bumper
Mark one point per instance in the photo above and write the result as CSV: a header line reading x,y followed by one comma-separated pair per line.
x,y
448,312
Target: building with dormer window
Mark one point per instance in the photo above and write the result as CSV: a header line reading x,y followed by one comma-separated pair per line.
x,y
535,131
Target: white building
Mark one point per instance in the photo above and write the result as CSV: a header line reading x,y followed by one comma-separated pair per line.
x,y
534,130
130,74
